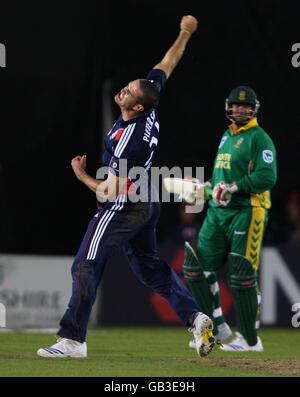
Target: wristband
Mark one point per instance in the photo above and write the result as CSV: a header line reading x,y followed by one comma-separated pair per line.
x,y
186,31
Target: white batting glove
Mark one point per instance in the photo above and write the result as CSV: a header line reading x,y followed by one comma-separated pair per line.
x,y
222,193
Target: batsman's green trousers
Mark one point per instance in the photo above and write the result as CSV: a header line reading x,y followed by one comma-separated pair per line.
x,y
231,231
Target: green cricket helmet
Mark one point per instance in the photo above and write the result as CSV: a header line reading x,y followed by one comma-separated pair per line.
x,y
241,95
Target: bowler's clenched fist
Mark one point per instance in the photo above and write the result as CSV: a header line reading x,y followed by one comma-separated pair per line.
x,y
189,23
78,164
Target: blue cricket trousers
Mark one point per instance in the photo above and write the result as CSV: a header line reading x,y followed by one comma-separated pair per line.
x,y
134,231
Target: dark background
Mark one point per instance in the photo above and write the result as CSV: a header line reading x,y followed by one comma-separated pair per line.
x,y
60,54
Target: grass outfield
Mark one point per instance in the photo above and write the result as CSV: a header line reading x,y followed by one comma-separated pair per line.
x,y
149,352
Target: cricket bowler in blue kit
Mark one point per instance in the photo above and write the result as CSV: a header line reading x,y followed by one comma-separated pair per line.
x,y
124,223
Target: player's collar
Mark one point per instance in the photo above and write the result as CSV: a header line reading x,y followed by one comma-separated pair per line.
x,y
252,123
130,121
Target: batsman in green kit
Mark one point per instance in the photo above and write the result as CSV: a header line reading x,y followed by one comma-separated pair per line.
x,y
244,173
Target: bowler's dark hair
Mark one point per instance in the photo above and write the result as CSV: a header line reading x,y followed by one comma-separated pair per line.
x,y
150,96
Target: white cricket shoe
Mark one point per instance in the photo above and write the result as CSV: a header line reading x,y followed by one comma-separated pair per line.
x,y
224,333
202,331
239,344
192,344
64,348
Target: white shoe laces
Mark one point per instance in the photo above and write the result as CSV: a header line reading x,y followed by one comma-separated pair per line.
x,y
66,343
238,338
60,342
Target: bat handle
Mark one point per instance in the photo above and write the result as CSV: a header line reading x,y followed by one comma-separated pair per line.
x,y
208,193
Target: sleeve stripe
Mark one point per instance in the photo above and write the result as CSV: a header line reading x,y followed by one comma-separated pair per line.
x,y
124,140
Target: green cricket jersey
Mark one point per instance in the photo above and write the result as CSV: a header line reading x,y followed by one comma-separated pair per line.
x,y
247,157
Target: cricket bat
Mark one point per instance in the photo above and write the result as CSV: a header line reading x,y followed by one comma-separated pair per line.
x,y
180,186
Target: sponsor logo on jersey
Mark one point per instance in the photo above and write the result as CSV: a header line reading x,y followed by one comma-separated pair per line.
x,y
117,134
267,156
239,142
223,140
113,135
223,161
129,187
